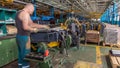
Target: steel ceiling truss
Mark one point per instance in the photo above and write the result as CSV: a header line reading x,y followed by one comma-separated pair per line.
x,y
85,7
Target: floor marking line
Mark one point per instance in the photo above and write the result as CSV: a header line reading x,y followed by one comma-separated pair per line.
x,y
98,55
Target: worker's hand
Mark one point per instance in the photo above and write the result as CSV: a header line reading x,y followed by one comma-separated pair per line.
x,y
45,27
35,30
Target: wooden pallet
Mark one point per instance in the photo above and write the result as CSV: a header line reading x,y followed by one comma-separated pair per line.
x,y
115,61
111,45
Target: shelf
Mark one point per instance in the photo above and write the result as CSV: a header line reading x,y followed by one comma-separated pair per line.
x,y
2,35
11,10
7,14
2,22
9,22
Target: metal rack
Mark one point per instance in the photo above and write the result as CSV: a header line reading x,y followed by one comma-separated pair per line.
x,y
112,14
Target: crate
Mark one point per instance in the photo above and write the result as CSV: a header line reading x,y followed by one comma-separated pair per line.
x,y
92,36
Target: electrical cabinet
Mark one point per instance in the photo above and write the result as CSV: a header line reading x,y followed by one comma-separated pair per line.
x,y
8,51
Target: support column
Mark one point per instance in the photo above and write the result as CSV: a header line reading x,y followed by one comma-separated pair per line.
x,y
68,15
52,11
113,13
61,16
34,13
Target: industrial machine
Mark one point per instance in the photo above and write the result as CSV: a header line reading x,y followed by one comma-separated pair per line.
x,y
45,40
57,36
74,29
52,37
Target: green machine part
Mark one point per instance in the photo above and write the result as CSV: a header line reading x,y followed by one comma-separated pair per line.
x,y
48,62
65,44
68,40
45,64
42,47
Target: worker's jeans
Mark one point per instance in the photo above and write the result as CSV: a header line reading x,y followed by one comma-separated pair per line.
x,y
22,51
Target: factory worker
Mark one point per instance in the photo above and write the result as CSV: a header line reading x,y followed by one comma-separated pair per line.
x,y
24,26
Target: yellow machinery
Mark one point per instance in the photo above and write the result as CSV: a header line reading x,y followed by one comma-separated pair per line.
x,y
3,2
6,1
75,35
53,44
99,27
64,26
76,21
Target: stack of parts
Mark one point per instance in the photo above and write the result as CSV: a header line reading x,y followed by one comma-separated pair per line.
x,y
112,35
11,29
115,52
92,36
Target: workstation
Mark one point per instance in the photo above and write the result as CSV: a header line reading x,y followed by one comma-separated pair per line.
x,y
59,34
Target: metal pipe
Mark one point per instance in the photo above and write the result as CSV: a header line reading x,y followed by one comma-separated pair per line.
x,y
21,2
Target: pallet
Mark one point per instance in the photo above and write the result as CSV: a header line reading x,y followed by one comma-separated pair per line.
x,y
111,45
115,61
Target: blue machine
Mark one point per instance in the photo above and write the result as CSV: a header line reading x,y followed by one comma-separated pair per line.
x,y
42,17
46,18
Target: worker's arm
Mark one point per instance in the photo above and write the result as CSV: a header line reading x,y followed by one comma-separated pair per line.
x,y
34,25
25,22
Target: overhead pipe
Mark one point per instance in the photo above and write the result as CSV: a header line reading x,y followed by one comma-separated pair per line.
x,y
108,15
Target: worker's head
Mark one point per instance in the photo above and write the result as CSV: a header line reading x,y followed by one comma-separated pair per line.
x,y
29,8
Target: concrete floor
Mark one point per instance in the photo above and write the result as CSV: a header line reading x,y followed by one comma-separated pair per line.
x,y
89,56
